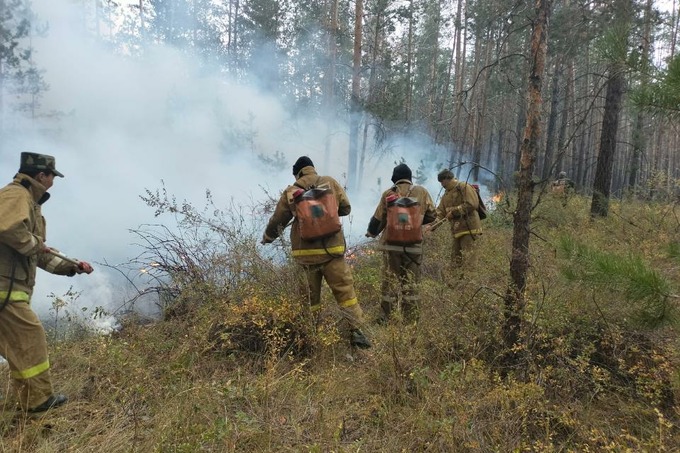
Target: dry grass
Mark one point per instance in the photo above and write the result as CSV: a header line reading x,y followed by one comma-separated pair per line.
x,y
590,382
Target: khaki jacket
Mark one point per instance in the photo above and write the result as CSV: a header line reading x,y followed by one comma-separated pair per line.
x,y
308,252
22,238
379,220
459,204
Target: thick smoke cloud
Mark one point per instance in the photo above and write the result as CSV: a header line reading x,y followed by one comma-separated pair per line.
x,y
131,123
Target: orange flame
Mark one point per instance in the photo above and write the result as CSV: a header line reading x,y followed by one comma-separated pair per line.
x,y
498,197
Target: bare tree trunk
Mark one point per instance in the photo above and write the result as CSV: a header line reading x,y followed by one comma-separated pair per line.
x,y
567,113
458,90
605,159
355,107
481,111
409,58
675,17
329,91
612,110
432,83
375,52
638,138
547,166
519,264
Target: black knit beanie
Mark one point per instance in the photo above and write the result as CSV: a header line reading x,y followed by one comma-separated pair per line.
x,y
401,171
302,162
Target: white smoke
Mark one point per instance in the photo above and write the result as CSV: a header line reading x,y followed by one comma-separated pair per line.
x,y
133,123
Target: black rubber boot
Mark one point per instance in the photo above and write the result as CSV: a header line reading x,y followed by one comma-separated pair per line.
x,y
52,402
359,340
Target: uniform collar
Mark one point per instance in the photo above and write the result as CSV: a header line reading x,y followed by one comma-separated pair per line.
x,y
38,191
452,184
305,171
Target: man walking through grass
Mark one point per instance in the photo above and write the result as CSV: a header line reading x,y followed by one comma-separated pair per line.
x,y
459,205
314,203
403,255
22,250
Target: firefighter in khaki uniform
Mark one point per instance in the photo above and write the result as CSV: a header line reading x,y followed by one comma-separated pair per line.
x,y
459,205
401,263
321,258
22,250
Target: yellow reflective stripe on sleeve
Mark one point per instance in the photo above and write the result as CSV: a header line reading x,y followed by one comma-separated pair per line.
x,y
337,250
463,233
15,296
349,303
52,265
32,372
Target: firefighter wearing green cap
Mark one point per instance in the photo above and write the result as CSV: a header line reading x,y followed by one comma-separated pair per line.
x,y
322,257
22,250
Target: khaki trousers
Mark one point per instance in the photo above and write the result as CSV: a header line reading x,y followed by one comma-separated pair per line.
x,y
338,275
24,346
464,253
400,277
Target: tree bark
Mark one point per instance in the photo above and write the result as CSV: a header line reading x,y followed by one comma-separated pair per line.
x,y
638,137
547,167
329,79
519,264
355,107
605,159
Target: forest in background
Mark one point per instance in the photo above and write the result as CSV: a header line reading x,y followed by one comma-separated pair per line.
x,y
577,352
452,73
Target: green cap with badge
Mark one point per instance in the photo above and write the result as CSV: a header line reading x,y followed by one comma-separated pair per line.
x,y
38,162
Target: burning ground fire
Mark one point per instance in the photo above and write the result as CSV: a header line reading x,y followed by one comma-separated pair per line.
x,y
359,251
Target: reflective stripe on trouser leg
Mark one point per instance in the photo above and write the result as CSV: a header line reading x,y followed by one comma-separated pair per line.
x,y
23,344
338,275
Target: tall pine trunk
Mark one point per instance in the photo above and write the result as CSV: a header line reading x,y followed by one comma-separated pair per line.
x,y
519,264
612,109
355,107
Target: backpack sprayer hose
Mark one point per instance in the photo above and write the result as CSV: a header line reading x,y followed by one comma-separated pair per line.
x,y
63,257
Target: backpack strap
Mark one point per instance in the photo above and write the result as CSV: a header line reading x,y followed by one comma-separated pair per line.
x,y
316,184
395,189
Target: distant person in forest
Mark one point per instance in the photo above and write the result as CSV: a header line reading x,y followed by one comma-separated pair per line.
x,y
402,209
22,250
459,206
562,185
314,203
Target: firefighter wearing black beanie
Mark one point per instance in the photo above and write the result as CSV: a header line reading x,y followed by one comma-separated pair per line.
x,y
401,171
322,257
301,163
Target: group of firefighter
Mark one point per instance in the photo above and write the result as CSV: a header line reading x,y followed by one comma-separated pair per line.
x,y
314,203
404,215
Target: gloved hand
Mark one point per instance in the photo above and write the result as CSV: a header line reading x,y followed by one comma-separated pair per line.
x,y
455,212
265,240
84,268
